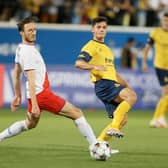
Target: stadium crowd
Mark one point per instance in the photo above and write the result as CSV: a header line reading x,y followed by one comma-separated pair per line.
x,y
118,12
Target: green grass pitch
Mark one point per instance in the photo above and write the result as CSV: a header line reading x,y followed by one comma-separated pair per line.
x,y
56,143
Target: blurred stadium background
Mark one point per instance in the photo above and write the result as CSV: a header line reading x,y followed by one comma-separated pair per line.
x,y
63,29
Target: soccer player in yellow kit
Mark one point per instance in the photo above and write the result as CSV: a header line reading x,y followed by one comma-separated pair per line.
x,y
110,87
159,38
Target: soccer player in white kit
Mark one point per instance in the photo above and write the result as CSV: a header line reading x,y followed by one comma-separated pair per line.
x,y
29,61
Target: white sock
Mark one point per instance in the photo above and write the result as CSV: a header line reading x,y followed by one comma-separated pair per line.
x,y
85,129
14,129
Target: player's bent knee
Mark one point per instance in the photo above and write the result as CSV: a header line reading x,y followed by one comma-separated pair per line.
x,y
132,97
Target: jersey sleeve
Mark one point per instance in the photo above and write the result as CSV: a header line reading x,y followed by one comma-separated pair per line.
x,y
152,34
151,37
28,61
16,59
84,56
86,53
17,55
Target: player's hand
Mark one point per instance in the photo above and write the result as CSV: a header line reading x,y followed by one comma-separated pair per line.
x,y
100,68
144,67
15,103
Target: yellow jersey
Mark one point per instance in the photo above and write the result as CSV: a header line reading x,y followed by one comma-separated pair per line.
x,y
160,39
97,53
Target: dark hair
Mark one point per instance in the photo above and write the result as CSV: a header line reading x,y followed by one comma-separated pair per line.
x,y
130,40
165,14
21,23
98,20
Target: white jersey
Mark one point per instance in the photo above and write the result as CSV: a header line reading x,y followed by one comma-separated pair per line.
x,y
29,58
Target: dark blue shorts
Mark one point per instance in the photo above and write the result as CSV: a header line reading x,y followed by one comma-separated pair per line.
x,y
107,91
162,76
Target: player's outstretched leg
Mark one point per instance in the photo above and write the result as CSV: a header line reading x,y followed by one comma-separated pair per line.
x,y
20,126
13,130
71,111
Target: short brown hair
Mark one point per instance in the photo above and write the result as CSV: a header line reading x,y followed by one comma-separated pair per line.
x,y
98,20
21,23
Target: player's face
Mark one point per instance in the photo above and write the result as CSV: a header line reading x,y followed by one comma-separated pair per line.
x,y
165,23
99,31
29,33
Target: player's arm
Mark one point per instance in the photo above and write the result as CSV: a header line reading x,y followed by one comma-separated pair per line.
x,y
86,66
17,87
31,82
83,65
83,62
121,80
145,55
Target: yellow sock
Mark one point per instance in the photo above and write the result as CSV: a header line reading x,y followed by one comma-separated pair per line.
x,y
119,115
161,107
103,136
